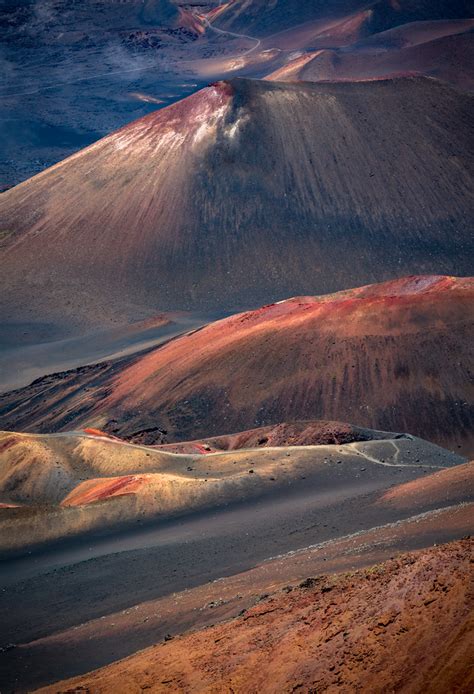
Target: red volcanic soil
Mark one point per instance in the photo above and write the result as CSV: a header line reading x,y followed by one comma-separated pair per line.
x,y
323,33
104,488
96,432
450,58
245,192
371,356
404,625
309,433
445,485
393,357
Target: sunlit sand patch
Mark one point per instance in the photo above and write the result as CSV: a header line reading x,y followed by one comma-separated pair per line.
x,y
147,98
223,65
295,61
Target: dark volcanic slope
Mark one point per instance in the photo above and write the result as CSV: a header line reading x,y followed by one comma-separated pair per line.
x,y
395,356
390,13
243,193
261,17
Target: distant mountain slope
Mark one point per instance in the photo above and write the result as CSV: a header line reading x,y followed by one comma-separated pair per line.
x,y
396,356
262,18
449,58
390,13
244,193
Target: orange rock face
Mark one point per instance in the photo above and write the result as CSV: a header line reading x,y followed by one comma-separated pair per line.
x,y
404,625
101,489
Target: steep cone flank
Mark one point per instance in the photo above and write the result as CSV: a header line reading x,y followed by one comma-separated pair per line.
x,y
244,193
395,356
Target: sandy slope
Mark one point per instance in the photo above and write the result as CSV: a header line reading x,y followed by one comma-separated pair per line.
x,y
71,484
404,625
442,486
449,58
53,604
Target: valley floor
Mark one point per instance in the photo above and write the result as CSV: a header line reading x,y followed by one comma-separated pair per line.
x,y
70,609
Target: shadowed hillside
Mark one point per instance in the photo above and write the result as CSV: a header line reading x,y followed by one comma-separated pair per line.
x,y
262,17
244,193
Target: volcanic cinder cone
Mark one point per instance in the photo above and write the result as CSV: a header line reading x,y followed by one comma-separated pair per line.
x,y
394,356
244,193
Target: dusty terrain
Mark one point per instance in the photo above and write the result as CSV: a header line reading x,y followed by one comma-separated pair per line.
x,y
74,72
403,625
28,351
69,608
394,356
444,50
209,206
303,433
54,487
231,488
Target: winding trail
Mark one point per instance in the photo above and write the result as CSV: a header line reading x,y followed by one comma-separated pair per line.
x,y
370,459
208,24
142,68
346,449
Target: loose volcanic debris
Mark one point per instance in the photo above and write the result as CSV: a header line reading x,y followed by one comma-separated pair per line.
x,y
404,625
